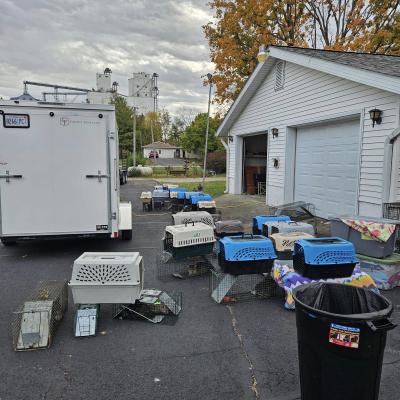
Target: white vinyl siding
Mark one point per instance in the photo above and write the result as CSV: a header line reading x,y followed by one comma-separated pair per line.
x,y
312,96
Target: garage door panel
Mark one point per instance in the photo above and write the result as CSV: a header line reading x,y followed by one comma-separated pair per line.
x,y
327,167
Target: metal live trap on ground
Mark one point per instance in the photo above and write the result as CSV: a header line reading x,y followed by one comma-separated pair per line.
x,y
153,306
226,288
169,268
35,322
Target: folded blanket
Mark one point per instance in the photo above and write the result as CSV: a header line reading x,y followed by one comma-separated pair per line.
x,y
371,230
288,279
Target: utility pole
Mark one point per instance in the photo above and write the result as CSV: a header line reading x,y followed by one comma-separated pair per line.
x,y
209,77
134,137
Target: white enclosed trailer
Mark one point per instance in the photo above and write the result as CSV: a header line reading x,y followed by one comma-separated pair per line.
x,y
59,172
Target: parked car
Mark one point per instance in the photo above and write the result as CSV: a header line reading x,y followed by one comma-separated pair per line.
x,y
153,154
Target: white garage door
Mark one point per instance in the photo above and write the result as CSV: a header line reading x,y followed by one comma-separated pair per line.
x,y
327,159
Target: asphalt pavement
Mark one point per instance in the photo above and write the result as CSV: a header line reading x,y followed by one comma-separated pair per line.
x,y
242,351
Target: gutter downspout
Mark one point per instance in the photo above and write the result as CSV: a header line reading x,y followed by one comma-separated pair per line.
x,y
227,166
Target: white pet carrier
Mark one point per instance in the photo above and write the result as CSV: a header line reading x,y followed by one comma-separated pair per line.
x,y
189,240
193,216
292,226
101,278
285,241
146,195
206,204
173,195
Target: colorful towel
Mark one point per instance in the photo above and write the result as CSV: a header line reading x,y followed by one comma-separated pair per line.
x,y
288,279
371,230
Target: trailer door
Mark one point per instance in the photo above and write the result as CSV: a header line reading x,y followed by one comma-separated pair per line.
x,y
55,174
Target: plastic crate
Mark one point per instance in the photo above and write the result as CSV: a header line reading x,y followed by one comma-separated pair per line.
x,y
229,228
208,206
289,227
188,195
246,254
324,258
371,248
284,243
107,278
195,198
259,220
189,240
181,218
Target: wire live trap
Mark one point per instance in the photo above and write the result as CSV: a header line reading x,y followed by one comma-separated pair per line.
x,y
34,324
226,288
154,306
169,268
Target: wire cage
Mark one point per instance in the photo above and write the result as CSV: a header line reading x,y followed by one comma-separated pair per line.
x,y
391,211
34,323
226,288
169,268
156,306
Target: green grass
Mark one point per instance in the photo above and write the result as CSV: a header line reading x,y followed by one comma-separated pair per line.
x,y
215,189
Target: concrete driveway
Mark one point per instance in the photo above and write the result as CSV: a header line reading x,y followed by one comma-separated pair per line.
x,y
214,352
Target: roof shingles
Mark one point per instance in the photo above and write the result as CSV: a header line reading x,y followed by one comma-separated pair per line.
x,y
380,63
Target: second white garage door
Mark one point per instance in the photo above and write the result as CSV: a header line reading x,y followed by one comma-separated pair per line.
x,y
326,168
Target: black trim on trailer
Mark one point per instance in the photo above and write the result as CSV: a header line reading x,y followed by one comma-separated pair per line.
x,y
105,235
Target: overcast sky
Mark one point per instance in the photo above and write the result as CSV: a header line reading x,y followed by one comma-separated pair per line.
x,y
68,41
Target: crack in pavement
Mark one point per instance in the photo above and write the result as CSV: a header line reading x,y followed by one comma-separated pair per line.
x,y
234,323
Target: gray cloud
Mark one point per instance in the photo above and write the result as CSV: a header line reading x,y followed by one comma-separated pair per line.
x,y
68,41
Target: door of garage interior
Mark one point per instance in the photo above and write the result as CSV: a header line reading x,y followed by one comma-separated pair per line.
x,y
326,167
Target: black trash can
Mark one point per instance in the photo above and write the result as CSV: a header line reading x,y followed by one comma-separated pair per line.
x,y
341,332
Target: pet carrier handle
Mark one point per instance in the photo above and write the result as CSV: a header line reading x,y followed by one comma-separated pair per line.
x,y
247,235
189,223
386,325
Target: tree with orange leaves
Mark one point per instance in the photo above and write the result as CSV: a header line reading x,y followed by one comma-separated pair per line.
x,y
241,26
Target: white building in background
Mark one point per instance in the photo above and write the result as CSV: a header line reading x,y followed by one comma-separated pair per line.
x,y
104,89
143,92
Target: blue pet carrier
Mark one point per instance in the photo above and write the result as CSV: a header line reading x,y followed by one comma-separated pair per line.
x,y
324,258
259,220
189,194
178,189
246,254
195,198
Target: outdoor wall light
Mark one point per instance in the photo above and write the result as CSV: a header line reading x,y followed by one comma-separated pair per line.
x,y
275,162
376,116
275,133
230,139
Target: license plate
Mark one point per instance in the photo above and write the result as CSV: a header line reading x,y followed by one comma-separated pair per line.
x,y
16,121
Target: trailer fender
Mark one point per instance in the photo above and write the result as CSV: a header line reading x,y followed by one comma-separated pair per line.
x,y
125,216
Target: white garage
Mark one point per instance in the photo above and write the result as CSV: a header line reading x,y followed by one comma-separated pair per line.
x,y
326,167
332,124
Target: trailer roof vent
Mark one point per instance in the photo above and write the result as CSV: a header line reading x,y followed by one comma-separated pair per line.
x,y
279,75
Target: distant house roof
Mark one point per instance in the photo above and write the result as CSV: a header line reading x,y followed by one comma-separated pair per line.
x,y
160,145
375,70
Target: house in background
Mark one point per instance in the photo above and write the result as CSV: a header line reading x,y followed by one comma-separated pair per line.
x,y
318,126
166,150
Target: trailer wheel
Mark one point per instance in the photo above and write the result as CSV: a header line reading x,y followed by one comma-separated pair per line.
x,y
6,242
126,234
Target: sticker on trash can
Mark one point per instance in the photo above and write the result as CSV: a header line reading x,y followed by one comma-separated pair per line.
x,y
345,336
